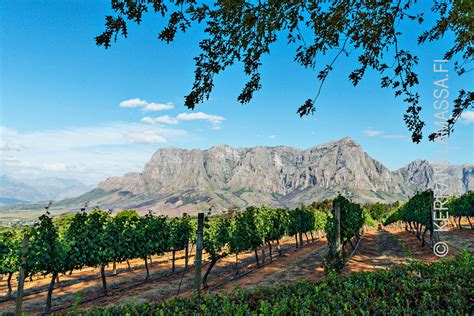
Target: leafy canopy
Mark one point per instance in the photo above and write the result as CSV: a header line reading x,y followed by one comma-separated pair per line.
x,y
243,31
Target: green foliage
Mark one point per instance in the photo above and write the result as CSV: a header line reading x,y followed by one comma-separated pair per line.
x,y
301,220
244,233
271,223
62,223
10,250
322,206
180,232
368,220
100,250
45,252
351,221
154,235
78,242
320,219
377,211
417,210
96,239
216,236
130,235
442,288
417,213
463,205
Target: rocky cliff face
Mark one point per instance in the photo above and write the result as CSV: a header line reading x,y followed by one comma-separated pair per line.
x,y
420,174
191,180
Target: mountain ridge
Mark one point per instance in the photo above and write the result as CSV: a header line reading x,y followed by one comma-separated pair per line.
x,y
177,180
16,191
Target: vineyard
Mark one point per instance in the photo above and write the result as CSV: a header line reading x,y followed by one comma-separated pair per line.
x,y
236,244
418,289
416,214
97,239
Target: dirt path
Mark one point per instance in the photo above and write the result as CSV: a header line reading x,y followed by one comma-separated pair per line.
x,y
459,239
304,262
414,246
377,250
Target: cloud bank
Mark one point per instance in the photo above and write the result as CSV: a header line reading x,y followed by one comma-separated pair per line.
x,y
89,154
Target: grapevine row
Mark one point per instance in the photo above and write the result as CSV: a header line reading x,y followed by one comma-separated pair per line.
x,y
417,213
96,239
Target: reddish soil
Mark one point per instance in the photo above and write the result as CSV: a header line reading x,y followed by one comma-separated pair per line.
x,y
382,249
414,245
300,263
377,250
457,240
464,232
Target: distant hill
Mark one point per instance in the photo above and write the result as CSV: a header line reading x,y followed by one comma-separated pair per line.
x,y
11,201
177,180
11,189
14,191
58,188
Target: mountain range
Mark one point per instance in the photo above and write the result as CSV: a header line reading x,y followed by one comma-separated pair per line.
x,y
177,180
13,191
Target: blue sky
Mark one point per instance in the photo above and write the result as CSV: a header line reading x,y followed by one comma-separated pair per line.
x,y
61,95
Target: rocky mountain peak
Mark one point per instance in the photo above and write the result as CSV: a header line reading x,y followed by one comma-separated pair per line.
x,y
179,180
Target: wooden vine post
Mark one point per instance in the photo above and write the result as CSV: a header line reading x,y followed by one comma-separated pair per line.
x,y
198,257
21,277
337,219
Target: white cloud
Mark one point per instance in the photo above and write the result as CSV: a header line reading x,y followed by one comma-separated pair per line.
x,y
200,116
57,166
215,120
145,105
272,136
133,103
467,117
151,107
375,133
165,119
372,133
147,137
